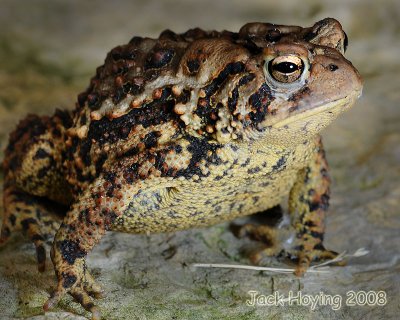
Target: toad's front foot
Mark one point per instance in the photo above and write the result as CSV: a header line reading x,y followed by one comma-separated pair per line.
x,y
78,282
304,258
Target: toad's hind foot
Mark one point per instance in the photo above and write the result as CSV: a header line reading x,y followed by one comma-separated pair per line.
x,y
272,247
264,234
31,215
302,259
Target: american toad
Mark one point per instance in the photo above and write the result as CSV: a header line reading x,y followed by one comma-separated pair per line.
x,y
183,131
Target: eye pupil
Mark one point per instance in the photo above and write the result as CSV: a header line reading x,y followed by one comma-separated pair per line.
x,y
285,67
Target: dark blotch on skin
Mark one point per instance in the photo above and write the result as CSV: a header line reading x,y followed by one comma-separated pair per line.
x,y
89,305
159,58
84,217
253,170
109,217
31,126
319,246
178,148
260,102
309,36
110,177
131,173
131,152
5,233
41,254
252,47
82,98
273,35
26,222
311,192
42,172
65,117
322,204
246,163
84,152
184,97
230,69
68,280
317,235
324,201
100,162
307,175
37,237
309,223
324,173
199,148
150,140
156,112
93,100
299,248
246,79
12,219
41,154
280,164
299,95
193,66
70,251
233,99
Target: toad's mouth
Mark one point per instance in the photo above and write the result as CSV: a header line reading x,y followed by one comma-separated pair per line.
x,y
335,107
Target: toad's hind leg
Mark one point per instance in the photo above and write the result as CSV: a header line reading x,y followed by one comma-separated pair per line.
x,y
262,227
37,218
308,203
33,180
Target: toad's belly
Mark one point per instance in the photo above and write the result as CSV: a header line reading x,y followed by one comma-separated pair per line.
x,y
197,204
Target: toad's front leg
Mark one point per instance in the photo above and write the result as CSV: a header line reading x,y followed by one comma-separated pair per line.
x,y
83,227
308,202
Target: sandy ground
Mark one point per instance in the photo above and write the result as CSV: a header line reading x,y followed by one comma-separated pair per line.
x,y
48,51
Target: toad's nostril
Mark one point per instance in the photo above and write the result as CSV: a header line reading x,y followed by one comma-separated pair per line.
x,y
333,67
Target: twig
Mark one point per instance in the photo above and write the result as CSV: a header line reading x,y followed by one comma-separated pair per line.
x,y
319,268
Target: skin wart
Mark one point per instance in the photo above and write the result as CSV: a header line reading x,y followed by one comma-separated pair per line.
x,y
233,117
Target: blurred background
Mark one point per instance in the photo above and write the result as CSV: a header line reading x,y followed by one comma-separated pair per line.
x,y
48,52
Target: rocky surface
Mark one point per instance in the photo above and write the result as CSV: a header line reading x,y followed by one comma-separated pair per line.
x,y
48,51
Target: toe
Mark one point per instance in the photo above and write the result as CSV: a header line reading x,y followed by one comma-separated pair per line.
x,y
53,300
41,257
302,265
330,255
82,297
92,287
4,235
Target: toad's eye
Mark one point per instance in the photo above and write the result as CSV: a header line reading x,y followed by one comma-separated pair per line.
x,y
285,69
